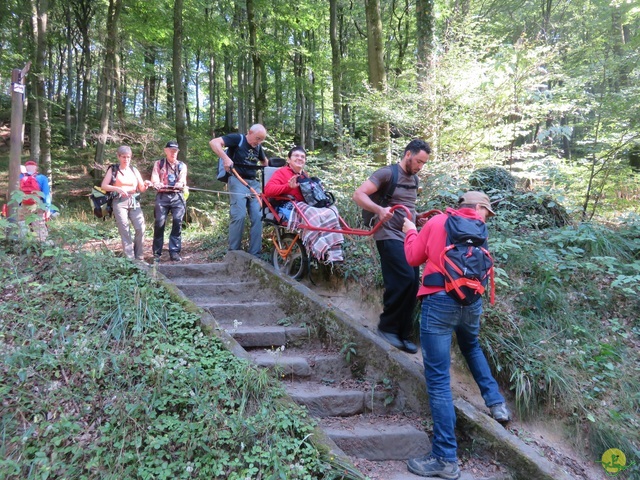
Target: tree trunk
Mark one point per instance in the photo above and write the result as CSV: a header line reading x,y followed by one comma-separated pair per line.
x,y
228,85
242,122
84,11
212,96
336,72
149,89
424,34
178,85
259,98
119,89
42,10
298,71
108,77
170,106
196,81
69,92
33,103
377,75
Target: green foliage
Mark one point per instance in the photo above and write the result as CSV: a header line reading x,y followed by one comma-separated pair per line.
x,y
492,178
105,376
564,333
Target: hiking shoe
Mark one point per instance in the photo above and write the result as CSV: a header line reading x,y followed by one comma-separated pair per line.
x,y
429,466
409,346
500,413
391,339
175,257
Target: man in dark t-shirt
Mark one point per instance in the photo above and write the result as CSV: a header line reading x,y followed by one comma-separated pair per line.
x,y
401,280
242,153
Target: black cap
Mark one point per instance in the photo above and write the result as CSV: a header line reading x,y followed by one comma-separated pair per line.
x,y
171,145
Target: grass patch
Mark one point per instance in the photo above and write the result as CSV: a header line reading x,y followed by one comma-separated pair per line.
x,y
103,375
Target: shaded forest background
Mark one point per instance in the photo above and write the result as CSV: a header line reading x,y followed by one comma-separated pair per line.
x,y
486,82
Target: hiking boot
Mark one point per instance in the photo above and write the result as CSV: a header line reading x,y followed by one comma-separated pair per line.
x,y
175,257
429,466
409,346
392,339
500,413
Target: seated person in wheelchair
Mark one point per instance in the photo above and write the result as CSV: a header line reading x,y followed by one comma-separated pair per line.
x,y
324,246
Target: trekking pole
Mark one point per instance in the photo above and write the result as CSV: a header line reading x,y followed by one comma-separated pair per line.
x,y
242,181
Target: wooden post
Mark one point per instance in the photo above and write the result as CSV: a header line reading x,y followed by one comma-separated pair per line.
x,y
17,135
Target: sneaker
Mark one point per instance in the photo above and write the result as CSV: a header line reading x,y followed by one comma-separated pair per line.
x,y
429,466
392,339
409,346
175,257
500,413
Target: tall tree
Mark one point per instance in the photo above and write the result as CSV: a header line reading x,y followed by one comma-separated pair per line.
x,y
259,95
336,70
84,11
178,85
377,75
424,34
108,77
41,10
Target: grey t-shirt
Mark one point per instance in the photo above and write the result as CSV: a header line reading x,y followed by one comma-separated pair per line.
x,y
392,230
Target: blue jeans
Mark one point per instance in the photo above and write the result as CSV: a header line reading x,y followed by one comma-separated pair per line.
x,y
240,204
441,316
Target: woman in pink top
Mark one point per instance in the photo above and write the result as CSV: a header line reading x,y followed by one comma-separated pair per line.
x,y
127,184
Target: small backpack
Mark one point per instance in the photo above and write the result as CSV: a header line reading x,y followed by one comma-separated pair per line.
x,y
223,175
30,187
467,263
383,198
314,193
102,201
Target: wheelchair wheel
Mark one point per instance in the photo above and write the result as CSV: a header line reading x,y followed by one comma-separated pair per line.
x,y
295,263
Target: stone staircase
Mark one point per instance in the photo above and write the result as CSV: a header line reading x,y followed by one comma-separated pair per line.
x,y
374,413
364,423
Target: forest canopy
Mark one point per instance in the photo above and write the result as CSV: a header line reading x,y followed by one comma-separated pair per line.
x,y
487,83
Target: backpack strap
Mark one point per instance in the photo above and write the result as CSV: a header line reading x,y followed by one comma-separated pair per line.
x,y
115,168
391,186
235,148
162,163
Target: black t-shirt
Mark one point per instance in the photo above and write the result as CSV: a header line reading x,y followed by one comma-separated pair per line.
x,y
241,153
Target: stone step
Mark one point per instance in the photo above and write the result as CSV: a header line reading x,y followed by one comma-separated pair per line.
x,y
287,366
183,272
377,438
325,401
226,292
249,313
292,363
266,336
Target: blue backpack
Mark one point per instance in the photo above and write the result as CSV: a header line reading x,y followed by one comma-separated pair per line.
x,y
468,266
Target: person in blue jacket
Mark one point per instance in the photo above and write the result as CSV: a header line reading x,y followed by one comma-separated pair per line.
x,y
32,207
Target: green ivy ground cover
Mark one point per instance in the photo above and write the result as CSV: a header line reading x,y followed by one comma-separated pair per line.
x,y
102,375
